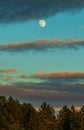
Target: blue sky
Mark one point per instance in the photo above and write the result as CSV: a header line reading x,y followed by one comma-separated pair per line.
x,y
64,25
45,58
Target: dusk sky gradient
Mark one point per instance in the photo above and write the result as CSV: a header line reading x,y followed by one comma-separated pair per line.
x,y
42,64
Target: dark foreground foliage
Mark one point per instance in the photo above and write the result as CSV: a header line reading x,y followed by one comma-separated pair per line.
x,y
17,116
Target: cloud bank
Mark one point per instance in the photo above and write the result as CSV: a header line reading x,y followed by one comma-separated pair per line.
x,y
42,45
22,10
58,87
53,94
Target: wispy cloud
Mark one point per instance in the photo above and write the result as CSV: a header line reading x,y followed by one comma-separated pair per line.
x,y
23,76
59,75
52,78
9,70
42,45
21,10
60,78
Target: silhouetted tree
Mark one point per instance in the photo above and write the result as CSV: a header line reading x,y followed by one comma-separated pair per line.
x,y
17,116
47,114
64,118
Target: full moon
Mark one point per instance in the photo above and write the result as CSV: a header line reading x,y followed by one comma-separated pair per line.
x,y
42,23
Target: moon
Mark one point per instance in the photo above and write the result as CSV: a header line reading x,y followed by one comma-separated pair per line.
x,y
42,23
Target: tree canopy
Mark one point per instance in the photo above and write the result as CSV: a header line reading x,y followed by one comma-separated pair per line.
x,y
17,116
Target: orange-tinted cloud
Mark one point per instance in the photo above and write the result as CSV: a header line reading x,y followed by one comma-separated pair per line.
x,y
23,76
59,75
9,70
42,45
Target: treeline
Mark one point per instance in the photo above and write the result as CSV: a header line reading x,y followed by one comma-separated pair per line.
x,y
17,116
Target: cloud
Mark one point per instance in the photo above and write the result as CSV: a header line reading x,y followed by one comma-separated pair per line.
x,y
50,86
21,10
23,76
33,92
59,87
42,45
82,27
39,95
8,78
9,90
60,78
9,70
1,77
58,92
59,75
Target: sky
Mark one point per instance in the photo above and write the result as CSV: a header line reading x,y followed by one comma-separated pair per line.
x,y
42,64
